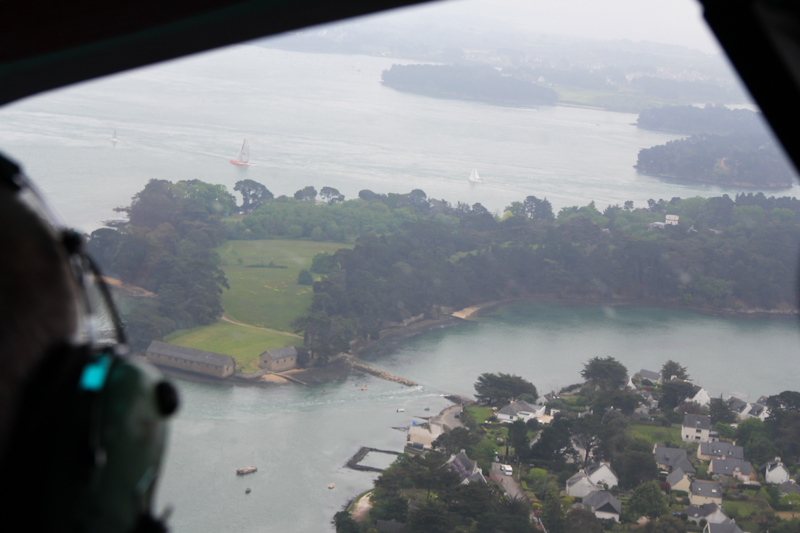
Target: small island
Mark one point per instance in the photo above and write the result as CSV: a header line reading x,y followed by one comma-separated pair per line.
x,y
740,160
481,83
728,147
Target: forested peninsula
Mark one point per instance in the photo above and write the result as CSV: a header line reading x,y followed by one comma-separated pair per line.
x,y
416,257
467,82
726,147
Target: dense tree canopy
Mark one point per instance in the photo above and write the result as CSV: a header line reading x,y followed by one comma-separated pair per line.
x,y
647,500
168,249
673,370
494,388
254,195
605,373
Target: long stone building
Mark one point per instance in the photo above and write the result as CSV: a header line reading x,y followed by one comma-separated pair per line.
x,y
191,360
279,359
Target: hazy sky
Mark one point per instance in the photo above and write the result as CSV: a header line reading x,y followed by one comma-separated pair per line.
x,y
663,21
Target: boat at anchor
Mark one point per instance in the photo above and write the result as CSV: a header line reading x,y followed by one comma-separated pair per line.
x,y
246,470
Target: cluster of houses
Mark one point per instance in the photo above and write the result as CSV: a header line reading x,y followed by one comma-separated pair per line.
x,y
700,396
214,364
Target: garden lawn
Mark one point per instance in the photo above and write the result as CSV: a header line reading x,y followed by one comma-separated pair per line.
x,y
268,297
480,414
657,434
244,344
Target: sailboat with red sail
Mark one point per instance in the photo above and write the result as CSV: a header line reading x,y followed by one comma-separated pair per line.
x,y
243,159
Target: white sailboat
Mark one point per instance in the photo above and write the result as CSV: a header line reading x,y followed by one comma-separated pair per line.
x,y
243,158
114,138
474,178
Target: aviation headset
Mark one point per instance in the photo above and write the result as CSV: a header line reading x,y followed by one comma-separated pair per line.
x,y
89,432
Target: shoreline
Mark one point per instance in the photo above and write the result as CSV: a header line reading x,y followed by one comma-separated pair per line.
x,y
483,308
338,369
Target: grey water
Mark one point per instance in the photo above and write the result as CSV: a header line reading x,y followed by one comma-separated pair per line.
x,y
326,120
322,120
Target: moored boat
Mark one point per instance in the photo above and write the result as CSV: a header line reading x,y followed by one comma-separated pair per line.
x,y
246,470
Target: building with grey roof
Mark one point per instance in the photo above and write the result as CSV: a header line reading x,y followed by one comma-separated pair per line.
x,y
702,492
579,485
279,359
519,410
671,458
710,512
789,487
679,480
649,375
737,406
728,526
697,428
603,504
467,469
191,360
735,468
719,450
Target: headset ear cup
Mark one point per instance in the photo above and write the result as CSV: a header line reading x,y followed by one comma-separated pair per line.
x,y
49,448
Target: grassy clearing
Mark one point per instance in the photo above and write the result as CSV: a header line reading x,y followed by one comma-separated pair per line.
x,y
268,297
480,414
245,344
742,509
657,434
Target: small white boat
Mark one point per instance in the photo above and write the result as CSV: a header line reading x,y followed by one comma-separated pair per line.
x,y
114,138
331,485
474,178
401,410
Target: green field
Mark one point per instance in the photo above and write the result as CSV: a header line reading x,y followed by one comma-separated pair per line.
x,y
658,434
268,297
243,343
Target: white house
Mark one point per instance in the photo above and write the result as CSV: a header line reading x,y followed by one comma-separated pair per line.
x,y
697,428
580,486
739,407
671,220
602,473
604,505
757,410
775,471
519,411
710,512
701,396
702,492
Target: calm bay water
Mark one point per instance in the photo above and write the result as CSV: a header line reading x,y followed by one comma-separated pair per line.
x,y
326,120
300,438
323,120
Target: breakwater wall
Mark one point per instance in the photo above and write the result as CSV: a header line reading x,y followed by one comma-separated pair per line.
x,y
379,373
359,456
